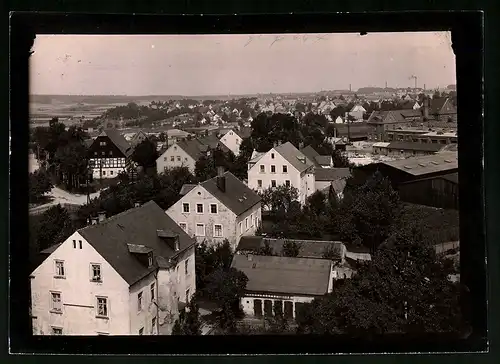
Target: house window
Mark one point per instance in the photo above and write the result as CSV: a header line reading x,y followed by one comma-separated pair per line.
x,y
139,301
95,153
150,259
273,183
178,275
262,168
111,172
56,302
172,159
287,183
56,331
200,230
213,208
285,169
95,273
153,325
141,331
217,230
186,267
241,228
246,223
80,243
185,207
178,158
259,183
103,153
103,173
199,208
102,144
152,289
74,244
59,268
272,155
187,295
164,159
273,169
110,152
102,307
183,226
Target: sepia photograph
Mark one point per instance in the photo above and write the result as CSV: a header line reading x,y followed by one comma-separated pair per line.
x,y
244,184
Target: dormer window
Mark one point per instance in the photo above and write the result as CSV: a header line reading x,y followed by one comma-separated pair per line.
x,y
177,245
150,259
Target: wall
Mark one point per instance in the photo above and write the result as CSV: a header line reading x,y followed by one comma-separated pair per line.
x,y
254,174
254,216
321,185
247,302
224,216
111,167
142,319
307,185
232,141
164,161
172,286
78,293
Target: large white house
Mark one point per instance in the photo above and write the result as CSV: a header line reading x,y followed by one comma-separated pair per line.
x,y
232,140
282,165
129,274
220,208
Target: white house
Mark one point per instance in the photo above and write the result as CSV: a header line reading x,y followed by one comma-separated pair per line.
x,y
357,112
289,282
184,153
282,165
232,140
220,208
129,274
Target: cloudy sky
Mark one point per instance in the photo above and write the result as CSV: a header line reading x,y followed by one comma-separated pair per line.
x,y
192,65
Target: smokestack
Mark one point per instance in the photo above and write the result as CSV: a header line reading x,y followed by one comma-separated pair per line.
x,y
385,84
426,108
221,180
102,216
350,87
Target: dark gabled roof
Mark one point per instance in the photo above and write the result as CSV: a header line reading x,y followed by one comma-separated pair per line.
x,y
136,138
438,104
244,132
310,153
424,147
51,249
112,237
192,147
237,196
308,248
422,165
393,116
250,243
118,140
331,174
88,142
285,275
292,155
323,160
186,188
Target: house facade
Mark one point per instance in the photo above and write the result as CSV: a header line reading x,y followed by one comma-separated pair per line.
x,y
181,154
282,165
288,282
220,208
109,154
126,275
357,112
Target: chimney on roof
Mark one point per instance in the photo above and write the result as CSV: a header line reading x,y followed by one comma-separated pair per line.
x,y
94,220
279,142
137,204
221,179
301,145
250,257
101,216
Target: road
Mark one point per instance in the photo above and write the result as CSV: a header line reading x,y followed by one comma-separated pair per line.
x,y
63,197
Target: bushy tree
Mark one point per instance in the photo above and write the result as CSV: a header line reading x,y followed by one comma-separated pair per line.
x,y
291,249
279,199
267,249
209,258
145,154
188,322
403,289
39,184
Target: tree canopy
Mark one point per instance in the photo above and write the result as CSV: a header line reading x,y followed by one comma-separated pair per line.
x,y
39,184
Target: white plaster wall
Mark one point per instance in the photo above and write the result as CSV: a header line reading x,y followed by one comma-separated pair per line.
x,y
224,216
164,161
254,173
78,293
247,302
96,171
232,141
307,186
256,213
143,318
172,286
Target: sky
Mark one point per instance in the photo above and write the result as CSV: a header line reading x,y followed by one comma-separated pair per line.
x,y
202,65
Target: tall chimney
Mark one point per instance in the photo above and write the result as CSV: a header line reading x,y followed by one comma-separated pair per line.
x,y
102,216
221,179
426,108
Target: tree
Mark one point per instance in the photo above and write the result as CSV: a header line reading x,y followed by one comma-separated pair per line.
x,y
291,249
403,289
246,148
55,226
205,168
279,199
317,203
188,322
266,249
145,154
39,184
209,258
340,160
